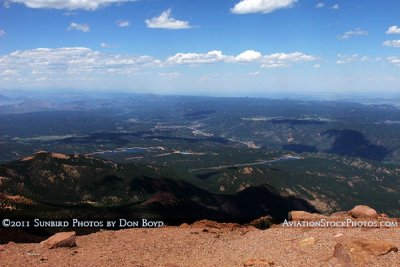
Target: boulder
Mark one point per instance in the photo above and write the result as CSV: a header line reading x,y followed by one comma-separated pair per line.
x,y
362,211
62,239
305,216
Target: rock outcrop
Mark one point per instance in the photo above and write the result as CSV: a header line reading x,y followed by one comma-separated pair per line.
x,y
62,239
358,212
358,252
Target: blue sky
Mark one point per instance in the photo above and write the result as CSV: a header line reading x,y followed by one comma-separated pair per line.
x,y
224,47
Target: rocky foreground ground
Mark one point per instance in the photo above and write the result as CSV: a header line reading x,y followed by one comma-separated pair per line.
x,y
207,243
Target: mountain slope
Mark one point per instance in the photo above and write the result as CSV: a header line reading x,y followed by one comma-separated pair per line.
x,y
64,186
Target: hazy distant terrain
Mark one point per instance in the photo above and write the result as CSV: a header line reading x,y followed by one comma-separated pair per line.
x,y
85,123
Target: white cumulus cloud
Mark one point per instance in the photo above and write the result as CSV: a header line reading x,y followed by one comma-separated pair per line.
x,y
68,4
123,23
277,60
319,5
71,62
248,56
261,6
335,7
107,45
79,27
346,59
393,30
42,66
349,34
394,60
165,21
2,33
391,43
197,58
8,72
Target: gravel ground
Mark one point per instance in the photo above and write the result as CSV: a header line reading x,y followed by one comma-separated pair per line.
x,y
191,247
